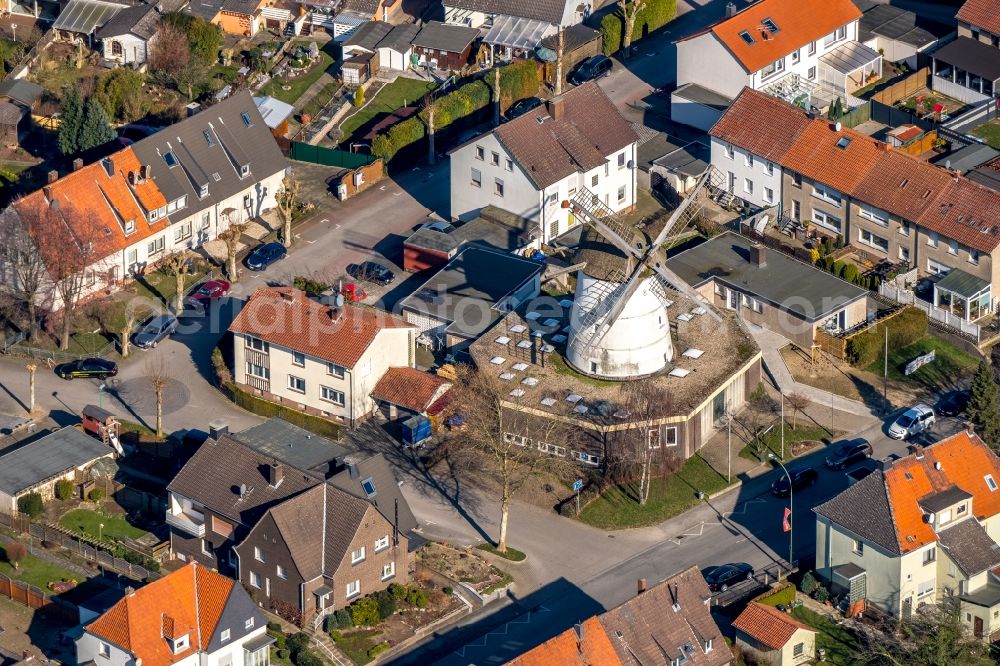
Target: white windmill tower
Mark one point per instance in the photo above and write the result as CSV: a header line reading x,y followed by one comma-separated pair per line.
x,y
618,326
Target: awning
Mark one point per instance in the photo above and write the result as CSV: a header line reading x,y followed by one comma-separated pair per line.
x,y
850,57
518,33
85,16
258,643
322,591
963,284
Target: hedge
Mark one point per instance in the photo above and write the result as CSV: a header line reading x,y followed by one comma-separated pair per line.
x,y
458,104
261,407
654,14
905,328
518,81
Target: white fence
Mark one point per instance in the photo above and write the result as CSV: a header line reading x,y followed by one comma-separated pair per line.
x,y
943,317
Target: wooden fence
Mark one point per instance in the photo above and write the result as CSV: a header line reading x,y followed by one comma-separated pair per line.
x,y
32,597
903,89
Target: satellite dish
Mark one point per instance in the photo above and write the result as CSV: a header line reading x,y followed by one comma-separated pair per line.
x,y
243,490
631,164
338,302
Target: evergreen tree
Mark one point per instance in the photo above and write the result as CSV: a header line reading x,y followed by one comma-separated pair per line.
x,y
72,120
984,405
95,130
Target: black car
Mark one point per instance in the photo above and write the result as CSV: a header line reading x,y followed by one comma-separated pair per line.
x,y
592,68
154,329
371,272
954,403
520,108
265,255
801,477
87,367
720,578
849,452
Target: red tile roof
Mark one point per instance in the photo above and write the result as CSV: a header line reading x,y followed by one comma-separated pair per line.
x,y
965,461
966,212
188,601
799,23
982,13
286,316
902,185
410,388
762,124
567,649
816,153
768,625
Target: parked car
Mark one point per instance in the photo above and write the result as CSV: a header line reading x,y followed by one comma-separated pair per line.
x,y
592,68
97,368
953,404
353,293
802,477
911,422
849,452
720,578
154,329
206,292
265,255
369,271
521,107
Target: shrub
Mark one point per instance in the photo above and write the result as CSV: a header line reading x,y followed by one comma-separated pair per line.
x,y
282,653
518,80
307,658
15,553
814,256
447,590
828,263
821,594
402,135
364,612
653,15
330,623
386,604
809,583
95,495
308,285
905,328
376,650
31,504
416,597
344,619
839,243
827,245
838,268
398,591
64,489
851,273
382,147
297,643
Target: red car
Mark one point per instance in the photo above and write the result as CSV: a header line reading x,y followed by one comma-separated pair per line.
x,y
353,293
207,292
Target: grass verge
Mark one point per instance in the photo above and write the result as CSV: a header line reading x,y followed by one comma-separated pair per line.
x,y
949,365
36,571
840,645
618,508
512,554
399,93
772,441
85,521
989,132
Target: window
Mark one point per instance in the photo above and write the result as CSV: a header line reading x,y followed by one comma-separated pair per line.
x,y
332,395
206,219
170,159
772,69
748,186
104,650
973,257
621,194
768,195
255,579
480,153
812,48
182,232
757,306
936,267
154,246
508,164
874,214
798,649
718,289
953,247
248,625
749,159
299,359
653,438
607,169
769,167
203,191
258,554
594,179
858,547
796,210
511,438
730,151
868,238
133,256
796,179
795,56
621,160
259,371
841,33
495,158
353,588
962,508
904,254
129,227
358,555
388,570
245,171
246,201
335,370
811,73
246,119
588,459
930,555
225,635
259,657
826,194
477,178
296,384
824,219
282,572
990,482
381,543
925,588
904,229
747,37
206,548
498,187
369,487
932,239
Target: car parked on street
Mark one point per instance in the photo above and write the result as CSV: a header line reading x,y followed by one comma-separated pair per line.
x,y
720,578
96,368
953,404
207,292
802,477
911,422
154,329
590,69
265,255
369,271
848,452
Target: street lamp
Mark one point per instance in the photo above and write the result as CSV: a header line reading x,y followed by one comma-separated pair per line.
x,y
791,509
100,532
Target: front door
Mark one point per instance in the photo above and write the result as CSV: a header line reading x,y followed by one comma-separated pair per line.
x,y
977,627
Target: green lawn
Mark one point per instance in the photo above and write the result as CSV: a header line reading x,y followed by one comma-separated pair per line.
x,y
88,522
772,440
399,93
949,365
299,84
36,571
840,645
355,644
557,363
512,554
989,132
618,508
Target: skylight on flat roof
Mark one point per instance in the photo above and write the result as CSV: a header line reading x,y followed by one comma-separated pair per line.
x,y
747,37
550,322
520,367
517,328
548,402
573,397
532,316
530,381
524,344
502,340
517,393
507,376
497,360
679,372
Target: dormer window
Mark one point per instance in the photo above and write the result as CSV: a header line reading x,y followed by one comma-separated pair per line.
x,y
153,215
708,646
962,508
244,170
130,227
204,191
180,644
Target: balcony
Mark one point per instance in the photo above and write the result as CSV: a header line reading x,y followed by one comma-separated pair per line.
x,y
187,523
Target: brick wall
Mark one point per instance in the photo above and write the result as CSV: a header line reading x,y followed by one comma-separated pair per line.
x,y
370,175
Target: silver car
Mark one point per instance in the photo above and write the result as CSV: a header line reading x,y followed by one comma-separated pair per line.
x,y
911,422
154,329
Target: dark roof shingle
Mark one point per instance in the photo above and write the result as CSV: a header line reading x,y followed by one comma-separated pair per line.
x,y
971,548
550,11
446,37
864,509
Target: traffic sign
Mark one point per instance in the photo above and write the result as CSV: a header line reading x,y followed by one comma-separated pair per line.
x,y
578,485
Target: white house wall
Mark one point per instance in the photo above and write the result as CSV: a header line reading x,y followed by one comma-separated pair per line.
x,y
706,61
806,61
88,648
133,49
756,174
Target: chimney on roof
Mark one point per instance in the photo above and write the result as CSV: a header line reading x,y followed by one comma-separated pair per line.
x,y
53,176
275,474
145,170
218,428
47,191
641,586
970,428
731,10
287,296
27,655
758,257
129,590
77,164
109,167
917,451
556,107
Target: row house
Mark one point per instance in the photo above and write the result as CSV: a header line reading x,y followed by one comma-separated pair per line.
x,y
577,145
922,529
804,53
172,191
844,183
968,68
321,359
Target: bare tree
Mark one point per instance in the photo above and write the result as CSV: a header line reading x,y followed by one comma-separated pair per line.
x,y
559,62
429,101
21,265
499,433
179,265
497,102
288,199
639,454
231,237
933,636
159,378
629,10
760,409
169,52
799,403
135,309
31,367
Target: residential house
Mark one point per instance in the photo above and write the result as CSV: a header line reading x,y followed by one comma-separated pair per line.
x,y
774,637
979,20
294,446
670,623
967,69
79,20
66,454
494,228
407,391
322,360
900,35
487,13
445,45
126,37
577,145
921,529
192,615
17,98
770,289
804,53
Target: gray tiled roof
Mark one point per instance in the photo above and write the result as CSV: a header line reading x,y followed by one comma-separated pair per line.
x,y
233,144
368,35
551,11
21,91
387,493
864,509
400,38
139,20
968,544
48,457
290,444
445,37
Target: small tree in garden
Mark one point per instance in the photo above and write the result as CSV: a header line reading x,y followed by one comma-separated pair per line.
x,y
71,122
231,237
96,130
159,377
359,97
984,405
287,199
64,489
179,265
15,553
31,505
809,583
798,403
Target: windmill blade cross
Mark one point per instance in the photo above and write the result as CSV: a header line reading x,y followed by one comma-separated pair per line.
x,y
683,287
621,300
688,201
